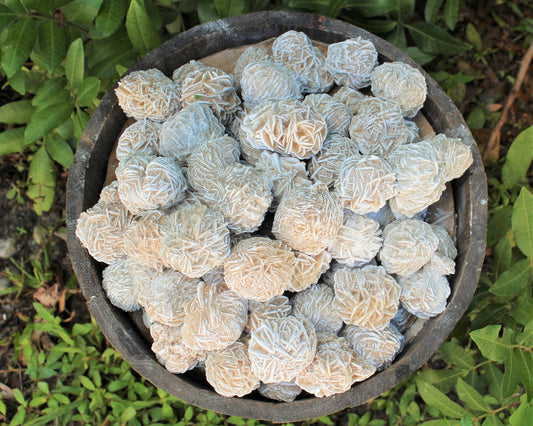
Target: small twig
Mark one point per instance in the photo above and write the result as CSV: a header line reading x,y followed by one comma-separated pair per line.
x,y
495,135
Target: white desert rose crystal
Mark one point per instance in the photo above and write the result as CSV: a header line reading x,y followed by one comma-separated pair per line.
x,y
336,114
277,307
250,55
282,391
142,137
308,269
143,239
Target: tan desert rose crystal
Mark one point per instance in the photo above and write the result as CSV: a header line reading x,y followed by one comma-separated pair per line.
x,y
419,178
284,172
187,129
378,127
281,348
209,158
358,240
316,304
325,165
296,50
446,245
143,238
190,69
195,240
378,347
149,183
277,307
251,55
282,391
367,297
401,83
424,293
170,351
142,137
258,269
229,371
101,231
453,153
211,87
308,219
350,97
269,81
441,264
109,194
308,269
351,62
214,318
336,114
241,194
148,94
334,369
287,127
408,244
164,296
121,282
365,183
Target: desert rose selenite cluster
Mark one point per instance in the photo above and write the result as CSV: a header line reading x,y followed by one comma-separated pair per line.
x,y
271,222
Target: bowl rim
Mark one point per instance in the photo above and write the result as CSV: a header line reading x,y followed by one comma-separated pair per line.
x,y
470,194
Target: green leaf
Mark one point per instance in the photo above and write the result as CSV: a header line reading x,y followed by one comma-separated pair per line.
x,y
444,380
12,141
18,45
498,224
41,188
431,10
207,11
435,398
511,375
189,412
418,56
128,414
81,119
471,397
104,55
522,220
524,361
75,63
52,44
369,8
51,92
514,280
82,11
140,28
523,414
454,354
19,397
18,112
518,159
397,37
110,17
59,150
488,341
501,259
432,39
18,81
227,8
494,377
86,382
523,312
7,16
47,119
476,118
473,36
451,12
88,92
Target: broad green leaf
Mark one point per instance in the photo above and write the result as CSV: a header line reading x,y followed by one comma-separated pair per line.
x,y
18,112
207,11
514,280
140,28
47,119
52,44
110,17
523,415
489,343
473,36
421,58
524,361
105,55
50,92
451,12
82,11
444,380
18,45
42,180
501,258
432,39
128,414
7,16
81,119
369,8
397,37
494,376
86,382
12,141
454,354
431,10
227,8
471,397
75,63
88,92
434,397
18,81
476,118
522,220
498,224
523,312
441,422
511,375
518,159
59,150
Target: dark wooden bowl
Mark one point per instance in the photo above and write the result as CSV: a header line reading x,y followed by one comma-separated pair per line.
x,y
88,173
